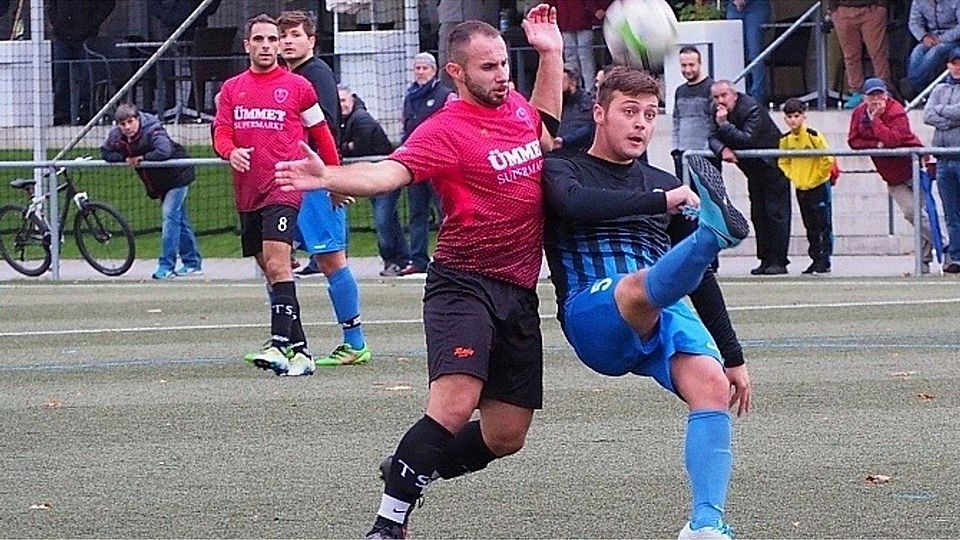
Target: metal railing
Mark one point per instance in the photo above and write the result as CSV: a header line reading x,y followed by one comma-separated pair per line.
x,y
913,153
812,17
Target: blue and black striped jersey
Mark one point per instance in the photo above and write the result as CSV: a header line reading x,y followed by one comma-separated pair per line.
x,y
603,218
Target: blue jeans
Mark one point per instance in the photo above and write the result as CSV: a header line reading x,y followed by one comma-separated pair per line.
x,y
419,198
754,16
926,63
176,233
948,184
390,240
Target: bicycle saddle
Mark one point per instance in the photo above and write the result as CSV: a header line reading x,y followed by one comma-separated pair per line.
x,y
22,183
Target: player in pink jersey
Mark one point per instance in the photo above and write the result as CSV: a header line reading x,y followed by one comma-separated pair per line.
x,y
483,154
263,115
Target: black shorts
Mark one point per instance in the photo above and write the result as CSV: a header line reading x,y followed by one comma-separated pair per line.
x,y
485,328
276,222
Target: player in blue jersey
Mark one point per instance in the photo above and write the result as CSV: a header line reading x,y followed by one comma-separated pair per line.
x,y
623,250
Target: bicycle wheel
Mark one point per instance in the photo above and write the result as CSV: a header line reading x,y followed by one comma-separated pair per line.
x,y
24,241
104,238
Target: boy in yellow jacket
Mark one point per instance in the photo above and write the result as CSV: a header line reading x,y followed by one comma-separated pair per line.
x,y
811,177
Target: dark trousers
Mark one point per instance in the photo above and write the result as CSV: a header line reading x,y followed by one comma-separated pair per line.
x,y
769,192
817,213
71,84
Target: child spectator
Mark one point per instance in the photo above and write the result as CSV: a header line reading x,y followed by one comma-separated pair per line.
x,y
811,178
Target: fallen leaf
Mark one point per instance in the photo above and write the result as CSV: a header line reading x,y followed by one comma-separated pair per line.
x,y
398,387
53,404
878,478
924,396
41,506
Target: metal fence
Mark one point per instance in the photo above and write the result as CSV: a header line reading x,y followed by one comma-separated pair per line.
x,y
914,154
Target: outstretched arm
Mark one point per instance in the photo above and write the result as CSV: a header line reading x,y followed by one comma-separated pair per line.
x,y
543,34
360,179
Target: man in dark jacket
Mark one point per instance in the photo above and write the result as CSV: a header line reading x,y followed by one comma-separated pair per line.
x,y
741,124
72,22
138,137
576,120
361,135
426,95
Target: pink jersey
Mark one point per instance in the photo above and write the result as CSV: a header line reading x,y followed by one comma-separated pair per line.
x,y
484,163
268,112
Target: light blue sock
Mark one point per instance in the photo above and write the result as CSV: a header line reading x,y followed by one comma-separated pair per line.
x,y
346,305
681,268
709,463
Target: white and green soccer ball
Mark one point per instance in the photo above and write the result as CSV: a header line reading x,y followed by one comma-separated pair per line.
x,y
640,33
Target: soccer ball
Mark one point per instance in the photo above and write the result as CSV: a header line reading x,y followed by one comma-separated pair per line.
x,y
639,33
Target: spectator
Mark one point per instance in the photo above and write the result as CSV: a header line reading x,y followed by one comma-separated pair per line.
x,y
859,23
362,135
692,117
754,14
454,12
742,124
72,22
576,121
943,113
139,137
811,178
576,19
934,23
425,96
881,122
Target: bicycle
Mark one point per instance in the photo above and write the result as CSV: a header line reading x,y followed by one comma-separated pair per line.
x,y
103,236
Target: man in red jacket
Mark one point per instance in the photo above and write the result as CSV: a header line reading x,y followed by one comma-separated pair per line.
x,y
880,122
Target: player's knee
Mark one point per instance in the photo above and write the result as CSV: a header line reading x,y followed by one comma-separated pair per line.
x,y
713,391
277,270
506,441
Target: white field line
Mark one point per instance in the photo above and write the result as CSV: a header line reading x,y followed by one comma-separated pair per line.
x,y
229,326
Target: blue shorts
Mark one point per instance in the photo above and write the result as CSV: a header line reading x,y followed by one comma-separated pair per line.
x,y
321,228
610,346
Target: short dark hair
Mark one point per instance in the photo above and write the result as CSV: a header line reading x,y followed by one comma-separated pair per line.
x,y
460,38
628,81
261,18
691,49
125,111
292,19
793,105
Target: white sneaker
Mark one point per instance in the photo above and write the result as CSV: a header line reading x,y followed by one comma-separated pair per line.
x,y
301,364
721,532
270,358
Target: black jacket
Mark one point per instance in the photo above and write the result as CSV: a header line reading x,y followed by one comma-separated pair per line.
x,y
74,21
576,120
361,135
154,144
172,13
420,103
748,126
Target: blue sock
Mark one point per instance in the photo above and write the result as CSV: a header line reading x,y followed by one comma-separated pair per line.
x,y
346,304
709,463
681,268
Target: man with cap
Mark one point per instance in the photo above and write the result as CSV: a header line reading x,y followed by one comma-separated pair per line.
x,y
425,96
576,121
881,122
943,113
